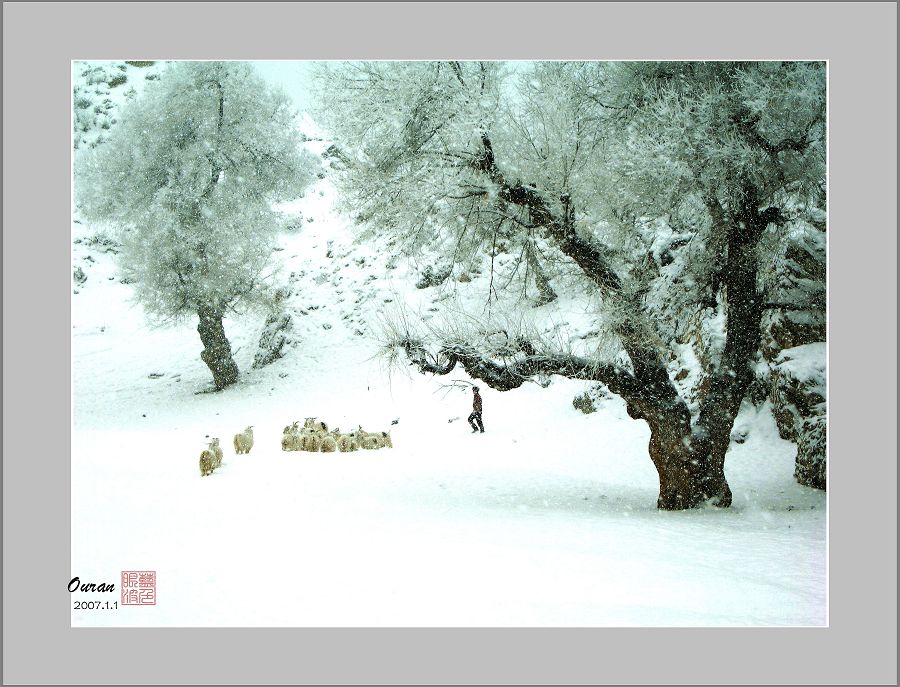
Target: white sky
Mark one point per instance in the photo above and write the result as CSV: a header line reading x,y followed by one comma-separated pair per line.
x,y
291,75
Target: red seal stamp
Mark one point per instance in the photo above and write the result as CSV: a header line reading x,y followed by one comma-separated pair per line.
x,y
138,587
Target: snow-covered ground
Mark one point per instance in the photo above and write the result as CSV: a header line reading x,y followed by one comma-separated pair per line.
x,y
547,519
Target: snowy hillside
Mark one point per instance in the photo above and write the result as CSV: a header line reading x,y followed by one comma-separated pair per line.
x,y
99,89
547,519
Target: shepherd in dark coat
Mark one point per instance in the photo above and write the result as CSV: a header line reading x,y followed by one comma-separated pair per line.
x,y
475,417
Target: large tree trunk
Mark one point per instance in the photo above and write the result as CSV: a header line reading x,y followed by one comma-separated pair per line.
x,y
730,382
217,351
688,476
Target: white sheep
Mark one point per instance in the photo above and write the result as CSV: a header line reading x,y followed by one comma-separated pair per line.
x,y
346,443
311,424
356,439
217,451
329,444
292,439
311,441
373,440
243,442
207,462
289,442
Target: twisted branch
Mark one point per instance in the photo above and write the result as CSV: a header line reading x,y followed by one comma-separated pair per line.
x,y
528,363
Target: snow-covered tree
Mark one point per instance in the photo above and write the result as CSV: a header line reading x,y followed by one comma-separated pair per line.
x,y
663,186
188,178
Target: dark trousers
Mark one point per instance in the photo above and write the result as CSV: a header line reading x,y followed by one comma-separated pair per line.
x,y
476,417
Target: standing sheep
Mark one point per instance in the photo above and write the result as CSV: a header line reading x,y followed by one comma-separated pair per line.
x,y
329,445
345,443
292,439
243,442
311,424
217,451
373,440
207,462
360,436
355,441
311,441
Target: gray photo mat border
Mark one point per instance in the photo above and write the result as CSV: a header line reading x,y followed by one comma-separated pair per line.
x,y
860,43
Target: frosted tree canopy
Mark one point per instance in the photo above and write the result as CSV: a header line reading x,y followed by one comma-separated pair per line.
x,y
188,178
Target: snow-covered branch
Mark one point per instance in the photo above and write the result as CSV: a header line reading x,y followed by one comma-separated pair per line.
x,y
527,364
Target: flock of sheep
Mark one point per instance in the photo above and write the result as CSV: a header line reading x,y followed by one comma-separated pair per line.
x,y
313,436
